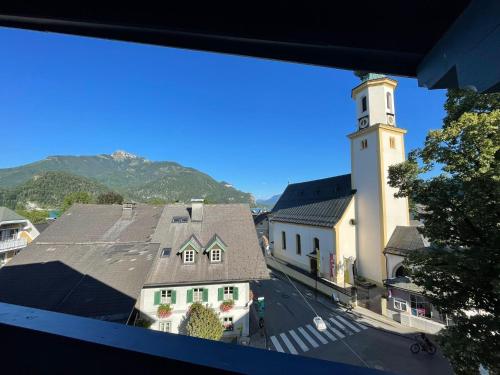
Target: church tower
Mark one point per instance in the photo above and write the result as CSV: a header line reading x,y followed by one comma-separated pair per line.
x,y
376,144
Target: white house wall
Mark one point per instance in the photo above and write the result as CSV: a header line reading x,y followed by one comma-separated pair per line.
x,y
240,311
307,234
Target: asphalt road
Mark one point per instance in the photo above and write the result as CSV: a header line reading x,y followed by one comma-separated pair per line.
x,y
290,309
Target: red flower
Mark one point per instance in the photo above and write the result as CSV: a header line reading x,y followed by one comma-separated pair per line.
x,y
164,311
226,305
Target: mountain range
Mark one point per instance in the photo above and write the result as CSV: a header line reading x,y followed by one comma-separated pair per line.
x,y
45,183
270,202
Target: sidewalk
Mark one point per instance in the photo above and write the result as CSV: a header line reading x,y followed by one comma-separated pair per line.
x,y
258,337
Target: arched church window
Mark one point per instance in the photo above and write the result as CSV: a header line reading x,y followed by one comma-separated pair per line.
x,y
389,101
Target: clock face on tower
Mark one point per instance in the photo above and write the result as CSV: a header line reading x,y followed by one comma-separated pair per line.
x,y
363,122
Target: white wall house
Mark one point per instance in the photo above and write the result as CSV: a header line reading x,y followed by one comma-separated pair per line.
x,y
236,320
208,254
16,232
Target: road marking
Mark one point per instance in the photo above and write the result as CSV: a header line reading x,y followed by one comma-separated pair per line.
x,y
308,338
288,344
340,326
298,340
346,322
329,335
316,333
336,331
276,344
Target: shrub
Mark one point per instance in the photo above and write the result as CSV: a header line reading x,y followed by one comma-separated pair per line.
x,y
204,322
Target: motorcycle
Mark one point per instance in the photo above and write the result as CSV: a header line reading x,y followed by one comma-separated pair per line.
x,y
423,344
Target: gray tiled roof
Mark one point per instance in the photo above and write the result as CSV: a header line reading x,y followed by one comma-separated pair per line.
x,y
319,202
6,214
90,262
242,261
405,239
102,223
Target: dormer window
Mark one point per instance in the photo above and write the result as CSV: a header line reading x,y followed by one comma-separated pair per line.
x,y
214,249
188,256
215,255
189,249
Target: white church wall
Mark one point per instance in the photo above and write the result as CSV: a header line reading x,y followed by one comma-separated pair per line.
x,y
376,103
365,179
307,234
393,263
397,212
346,232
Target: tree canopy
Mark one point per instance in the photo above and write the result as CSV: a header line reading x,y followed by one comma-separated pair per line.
x,y
76,197
204,322
109,197
459,208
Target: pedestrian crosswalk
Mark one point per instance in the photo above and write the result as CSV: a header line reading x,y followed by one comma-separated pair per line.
x,y
308,337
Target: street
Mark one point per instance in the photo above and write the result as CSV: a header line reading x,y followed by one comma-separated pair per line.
x,y
289,312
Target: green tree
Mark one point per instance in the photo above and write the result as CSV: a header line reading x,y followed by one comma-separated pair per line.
x,y
460,101
35,216
109,197
204,322
76,197
461,216
157,201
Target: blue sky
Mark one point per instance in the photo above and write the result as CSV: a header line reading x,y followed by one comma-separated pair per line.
x,y
258,124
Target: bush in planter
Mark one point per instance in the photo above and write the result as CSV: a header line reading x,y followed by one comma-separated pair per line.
x,y
164,311
227,305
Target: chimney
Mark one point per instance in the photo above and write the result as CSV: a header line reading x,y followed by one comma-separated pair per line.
x,y
197,209
127,210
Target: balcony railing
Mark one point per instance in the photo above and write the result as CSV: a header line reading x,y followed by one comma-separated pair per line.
x,y
12,244
60,343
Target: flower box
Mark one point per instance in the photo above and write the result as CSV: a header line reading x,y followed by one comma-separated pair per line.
x,y
226,305
164,311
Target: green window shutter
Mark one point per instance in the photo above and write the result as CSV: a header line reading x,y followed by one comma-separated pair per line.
x,y
205,295
235,293
173,296
220,294
190,295
157,298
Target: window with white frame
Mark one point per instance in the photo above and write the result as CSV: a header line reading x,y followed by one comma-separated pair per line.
x,y
197,294
166,296
400,305
227,322
228,293
189,256
420,306
165,326
215,255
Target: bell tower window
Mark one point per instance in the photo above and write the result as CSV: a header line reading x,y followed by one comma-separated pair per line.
x,y
389,101
363,104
